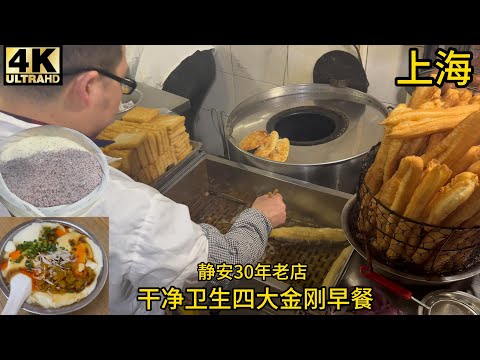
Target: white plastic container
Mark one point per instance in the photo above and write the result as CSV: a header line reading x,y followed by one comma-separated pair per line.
x,y
19,207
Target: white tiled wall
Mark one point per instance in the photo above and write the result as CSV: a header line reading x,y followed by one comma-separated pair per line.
x,y
302,59
264,63
221,95
246,70
384,64
245,88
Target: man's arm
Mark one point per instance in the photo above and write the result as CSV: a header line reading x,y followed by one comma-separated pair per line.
x,y
243,244
246,241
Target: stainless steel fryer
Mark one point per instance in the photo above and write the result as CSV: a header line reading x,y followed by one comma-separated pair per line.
x,y
217,190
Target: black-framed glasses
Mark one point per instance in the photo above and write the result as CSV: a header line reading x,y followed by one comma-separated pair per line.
x,y
128,85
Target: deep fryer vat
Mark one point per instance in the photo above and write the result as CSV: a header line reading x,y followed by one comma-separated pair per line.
x,y
217,191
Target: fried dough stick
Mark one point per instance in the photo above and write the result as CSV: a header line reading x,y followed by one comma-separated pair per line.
x,y
444,203
418,114
427,126
374,179
467,160
374,176
393,194
403,195
464,216
433,178
435,139
423,94
458,142
308,233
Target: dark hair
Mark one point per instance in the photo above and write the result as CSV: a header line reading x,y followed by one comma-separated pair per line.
x,y
74,56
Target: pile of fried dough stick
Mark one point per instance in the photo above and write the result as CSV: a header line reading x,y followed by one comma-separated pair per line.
x,y
426,169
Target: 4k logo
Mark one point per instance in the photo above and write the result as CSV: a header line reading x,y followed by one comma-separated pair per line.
x,y
32,65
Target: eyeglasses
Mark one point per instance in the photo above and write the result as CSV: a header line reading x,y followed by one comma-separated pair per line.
x,y
128,85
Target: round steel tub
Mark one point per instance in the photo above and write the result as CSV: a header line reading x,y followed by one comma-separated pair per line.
x,y
330,130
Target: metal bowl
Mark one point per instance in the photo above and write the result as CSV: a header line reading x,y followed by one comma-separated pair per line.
x,y
446,302
136,96
347,220
36,309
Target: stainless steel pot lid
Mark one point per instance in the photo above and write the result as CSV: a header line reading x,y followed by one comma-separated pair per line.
x,y
447,302
325,124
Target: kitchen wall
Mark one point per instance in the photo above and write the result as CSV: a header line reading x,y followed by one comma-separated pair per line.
x,y
245,70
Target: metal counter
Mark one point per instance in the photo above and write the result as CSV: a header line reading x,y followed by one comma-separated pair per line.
x,y
351,277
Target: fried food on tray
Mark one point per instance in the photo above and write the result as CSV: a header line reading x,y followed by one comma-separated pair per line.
x,y
475,99
374,176
399,109
415,146
268,145
465,95
467,160
386,196
433,178
280,153
337,266
423,94
465,211
419,114
408,147
434,104
427,126
426,169
450,197
393,158
403,195
475,168
140,114
434,139
308,233
253,140
451,98
469,208
457,143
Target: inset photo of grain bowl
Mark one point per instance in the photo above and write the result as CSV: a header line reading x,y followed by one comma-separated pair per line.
x,y
51,171
53,266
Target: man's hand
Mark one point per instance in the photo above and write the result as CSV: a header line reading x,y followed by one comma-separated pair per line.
x,y
272,207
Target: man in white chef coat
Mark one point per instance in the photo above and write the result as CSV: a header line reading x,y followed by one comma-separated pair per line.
x,y
153,241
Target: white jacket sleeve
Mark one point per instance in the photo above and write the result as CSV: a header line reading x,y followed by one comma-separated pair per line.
x,y
153,243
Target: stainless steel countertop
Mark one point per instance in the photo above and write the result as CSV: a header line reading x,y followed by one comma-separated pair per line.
x,y
351,277
156,98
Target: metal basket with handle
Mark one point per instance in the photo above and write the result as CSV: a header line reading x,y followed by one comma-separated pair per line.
x,y
409,246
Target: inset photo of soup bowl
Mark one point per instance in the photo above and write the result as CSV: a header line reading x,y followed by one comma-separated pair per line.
x,y
53,265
